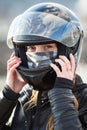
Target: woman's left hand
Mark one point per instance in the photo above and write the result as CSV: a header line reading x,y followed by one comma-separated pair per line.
x,y
67,67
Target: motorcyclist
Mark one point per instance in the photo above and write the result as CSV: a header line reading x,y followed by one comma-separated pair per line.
x,y
47,40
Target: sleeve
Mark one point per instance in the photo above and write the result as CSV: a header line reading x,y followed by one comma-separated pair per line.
x,y
82,99
65,115
6,105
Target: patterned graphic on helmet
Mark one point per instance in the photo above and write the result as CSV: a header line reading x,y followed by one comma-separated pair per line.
x,y
40,59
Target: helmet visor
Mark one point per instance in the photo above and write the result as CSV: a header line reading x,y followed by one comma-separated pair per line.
x,y
44,25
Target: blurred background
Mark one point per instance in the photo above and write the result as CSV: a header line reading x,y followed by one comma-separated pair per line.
x,y
9,9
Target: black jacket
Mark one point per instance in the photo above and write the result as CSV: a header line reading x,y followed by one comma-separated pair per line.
x,y
57,102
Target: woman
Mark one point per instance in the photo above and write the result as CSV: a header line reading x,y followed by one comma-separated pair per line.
x,y
47,40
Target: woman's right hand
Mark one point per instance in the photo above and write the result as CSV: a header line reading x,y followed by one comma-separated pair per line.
x,y
13,80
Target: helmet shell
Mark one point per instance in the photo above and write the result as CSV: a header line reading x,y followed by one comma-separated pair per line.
x,y
49,20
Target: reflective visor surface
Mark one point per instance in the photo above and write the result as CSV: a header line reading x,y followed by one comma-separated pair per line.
x,y
47,26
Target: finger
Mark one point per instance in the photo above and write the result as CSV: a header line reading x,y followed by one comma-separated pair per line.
x,y
13,68
13,58
62,64
55,68
64,58
66,61
12,55
12,62
72,61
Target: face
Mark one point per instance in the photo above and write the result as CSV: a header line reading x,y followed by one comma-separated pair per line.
x,y
39,56
42,48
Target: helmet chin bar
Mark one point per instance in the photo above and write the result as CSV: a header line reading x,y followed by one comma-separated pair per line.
x,y
39,80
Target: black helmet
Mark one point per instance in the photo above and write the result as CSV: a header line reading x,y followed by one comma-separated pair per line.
x,y
41,24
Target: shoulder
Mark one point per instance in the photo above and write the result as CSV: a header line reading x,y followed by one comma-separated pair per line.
x,y
79,84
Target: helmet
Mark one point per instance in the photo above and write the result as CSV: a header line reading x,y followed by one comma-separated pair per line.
x,y
41,24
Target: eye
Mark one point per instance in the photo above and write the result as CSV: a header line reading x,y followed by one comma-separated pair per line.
x,y
31,48
50,47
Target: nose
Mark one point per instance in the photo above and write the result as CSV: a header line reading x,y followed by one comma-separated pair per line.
x,y
40,48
